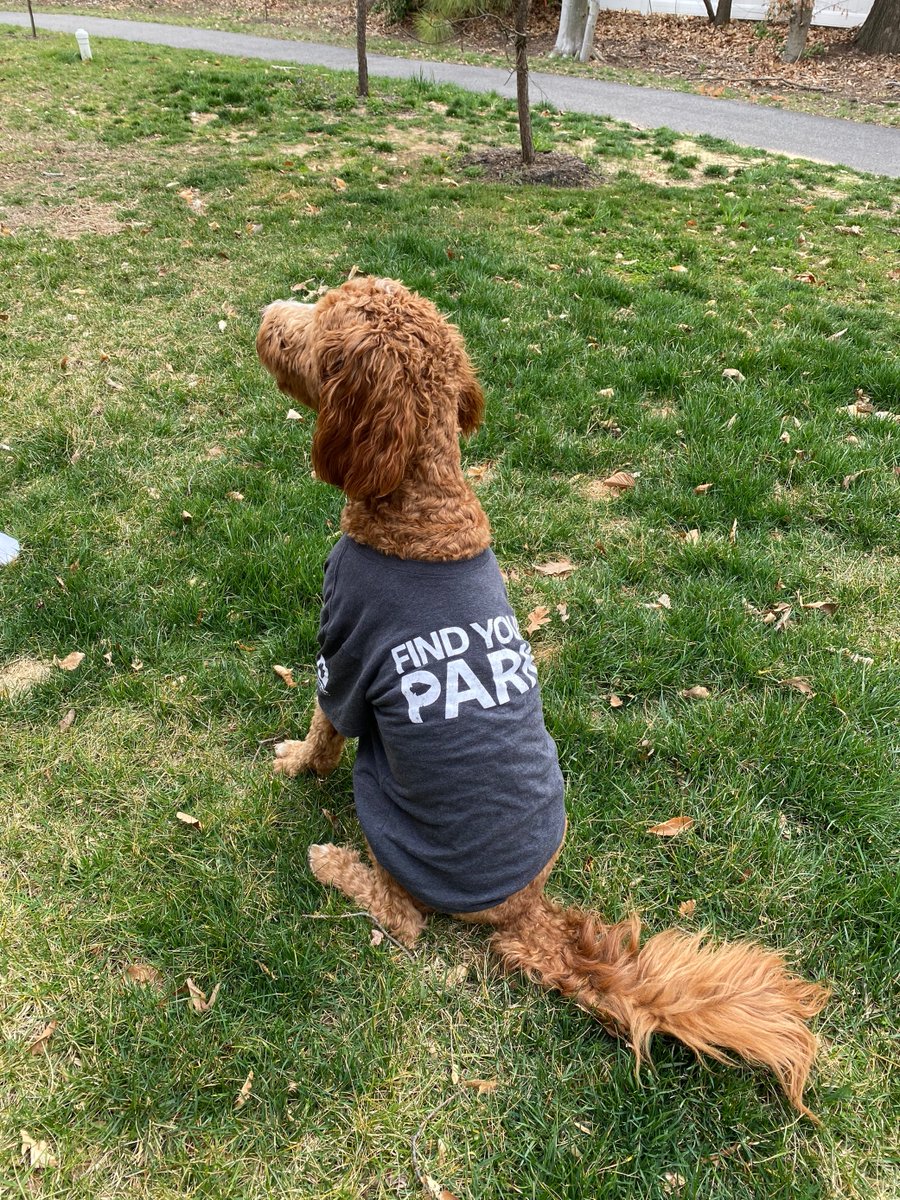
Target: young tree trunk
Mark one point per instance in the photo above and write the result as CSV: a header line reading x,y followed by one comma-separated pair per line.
x,y
522,9
587,44
572,17
710,11
31,14
798,29
362,74
880,33
723,13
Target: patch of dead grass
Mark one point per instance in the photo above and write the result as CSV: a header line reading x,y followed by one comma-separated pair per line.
x,y
21,676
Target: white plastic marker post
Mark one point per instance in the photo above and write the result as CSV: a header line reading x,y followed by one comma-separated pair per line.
x,y
84,44
9,549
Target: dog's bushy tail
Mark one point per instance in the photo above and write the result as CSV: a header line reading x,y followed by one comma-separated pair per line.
x,y
736,997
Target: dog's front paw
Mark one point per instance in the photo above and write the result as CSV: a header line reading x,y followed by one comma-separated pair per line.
x,y
295,758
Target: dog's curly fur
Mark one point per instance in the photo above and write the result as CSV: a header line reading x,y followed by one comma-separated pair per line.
x,y
392,387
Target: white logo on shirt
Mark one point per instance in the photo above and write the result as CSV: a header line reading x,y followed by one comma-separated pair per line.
x,y
454,677
322,674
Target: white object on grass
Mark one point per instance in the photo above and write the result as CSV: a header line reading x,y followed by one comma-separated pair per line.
x,y
84,44
9,549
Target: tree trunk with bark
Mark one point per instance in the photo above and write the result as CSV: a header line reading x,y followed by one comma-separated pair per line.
x,y
31,14
362,62
572,17
880,33
798,30
587,44
522,10
723,13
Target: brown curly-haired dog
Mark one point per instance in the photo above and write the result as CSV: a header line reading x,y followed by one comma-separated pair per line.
x,y
392,387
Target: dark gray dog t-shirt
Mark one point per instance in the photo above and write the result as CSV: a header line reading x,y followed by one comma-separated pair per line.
x,y
457,784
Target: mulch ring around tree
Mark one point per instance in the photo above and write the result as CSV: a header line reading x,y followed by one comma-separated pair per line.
x,y
503,164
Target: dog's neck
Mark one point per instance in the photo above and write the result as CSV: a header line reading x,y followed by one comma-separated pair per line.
x,y
433,516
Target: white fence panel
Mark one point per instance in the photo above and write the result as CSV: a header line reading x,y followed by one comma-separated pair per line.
x,y
844,13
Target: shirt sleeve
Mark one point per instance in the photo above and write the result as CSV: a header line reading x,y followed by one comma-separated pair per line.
x,y
340,675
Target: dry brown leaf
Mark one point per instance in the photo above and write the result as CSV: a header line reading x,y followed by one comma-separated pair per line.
x,y
849,480
562,567
71,662
563,610
607,393
37,1153
833,337
284,673
679,269
187,819
480,472
377,937
199,1002
67,722
234,495
829,607
293,415
186,516
615,701
244,1094
687,908
537,618
620,481
702,488
852,230
732,536
691,537
697,692
39,1045
671,828
338,184
144,974
482,1086
799,683
734,374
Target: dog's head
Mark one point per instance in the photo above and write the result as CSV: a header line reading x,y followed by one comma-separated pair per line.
x,y
384,371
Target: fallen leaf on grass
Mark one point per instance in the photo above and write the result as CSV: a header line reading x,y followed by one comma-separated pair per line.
x,y
734,374
697,692
849,480
36,1153
244,1094
687,908
562,567
607,393
732,535
691,537
39,1045
615,701
293,415
376,938
833,337
285,673
480,472
563,610
702,488
799,684
187,819
620,481
679,269
237,496
145,975
537,618
338,184
829,607
671,828
199,1002
482,1086
67,722
71,662
192,198
662,601
851,230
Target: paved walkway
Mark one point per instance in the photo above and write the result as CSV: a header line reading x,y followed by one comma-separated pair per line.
x,y
873,148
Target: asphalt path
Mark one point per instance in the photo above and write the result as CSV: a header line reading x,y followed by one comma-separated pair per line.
x,y
874,148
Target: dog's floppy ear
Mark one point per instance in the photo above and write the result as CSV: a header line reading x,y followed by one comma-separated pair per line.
x,y
470,397
366,427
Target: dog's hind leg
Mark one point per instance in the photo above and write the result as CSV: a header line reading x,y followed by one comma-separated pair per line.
x,y
320,750
372,887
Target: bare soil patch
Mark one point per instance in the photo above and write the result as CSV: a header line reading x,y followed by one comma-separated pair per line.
x,y
66,220
503,164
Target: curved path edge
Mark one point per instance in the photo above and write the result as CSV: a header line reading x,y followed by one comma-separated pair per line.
x,y
862,147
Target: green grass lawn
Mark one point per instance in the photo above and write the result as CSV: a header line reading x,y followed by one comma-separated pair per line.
x,y
139,243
